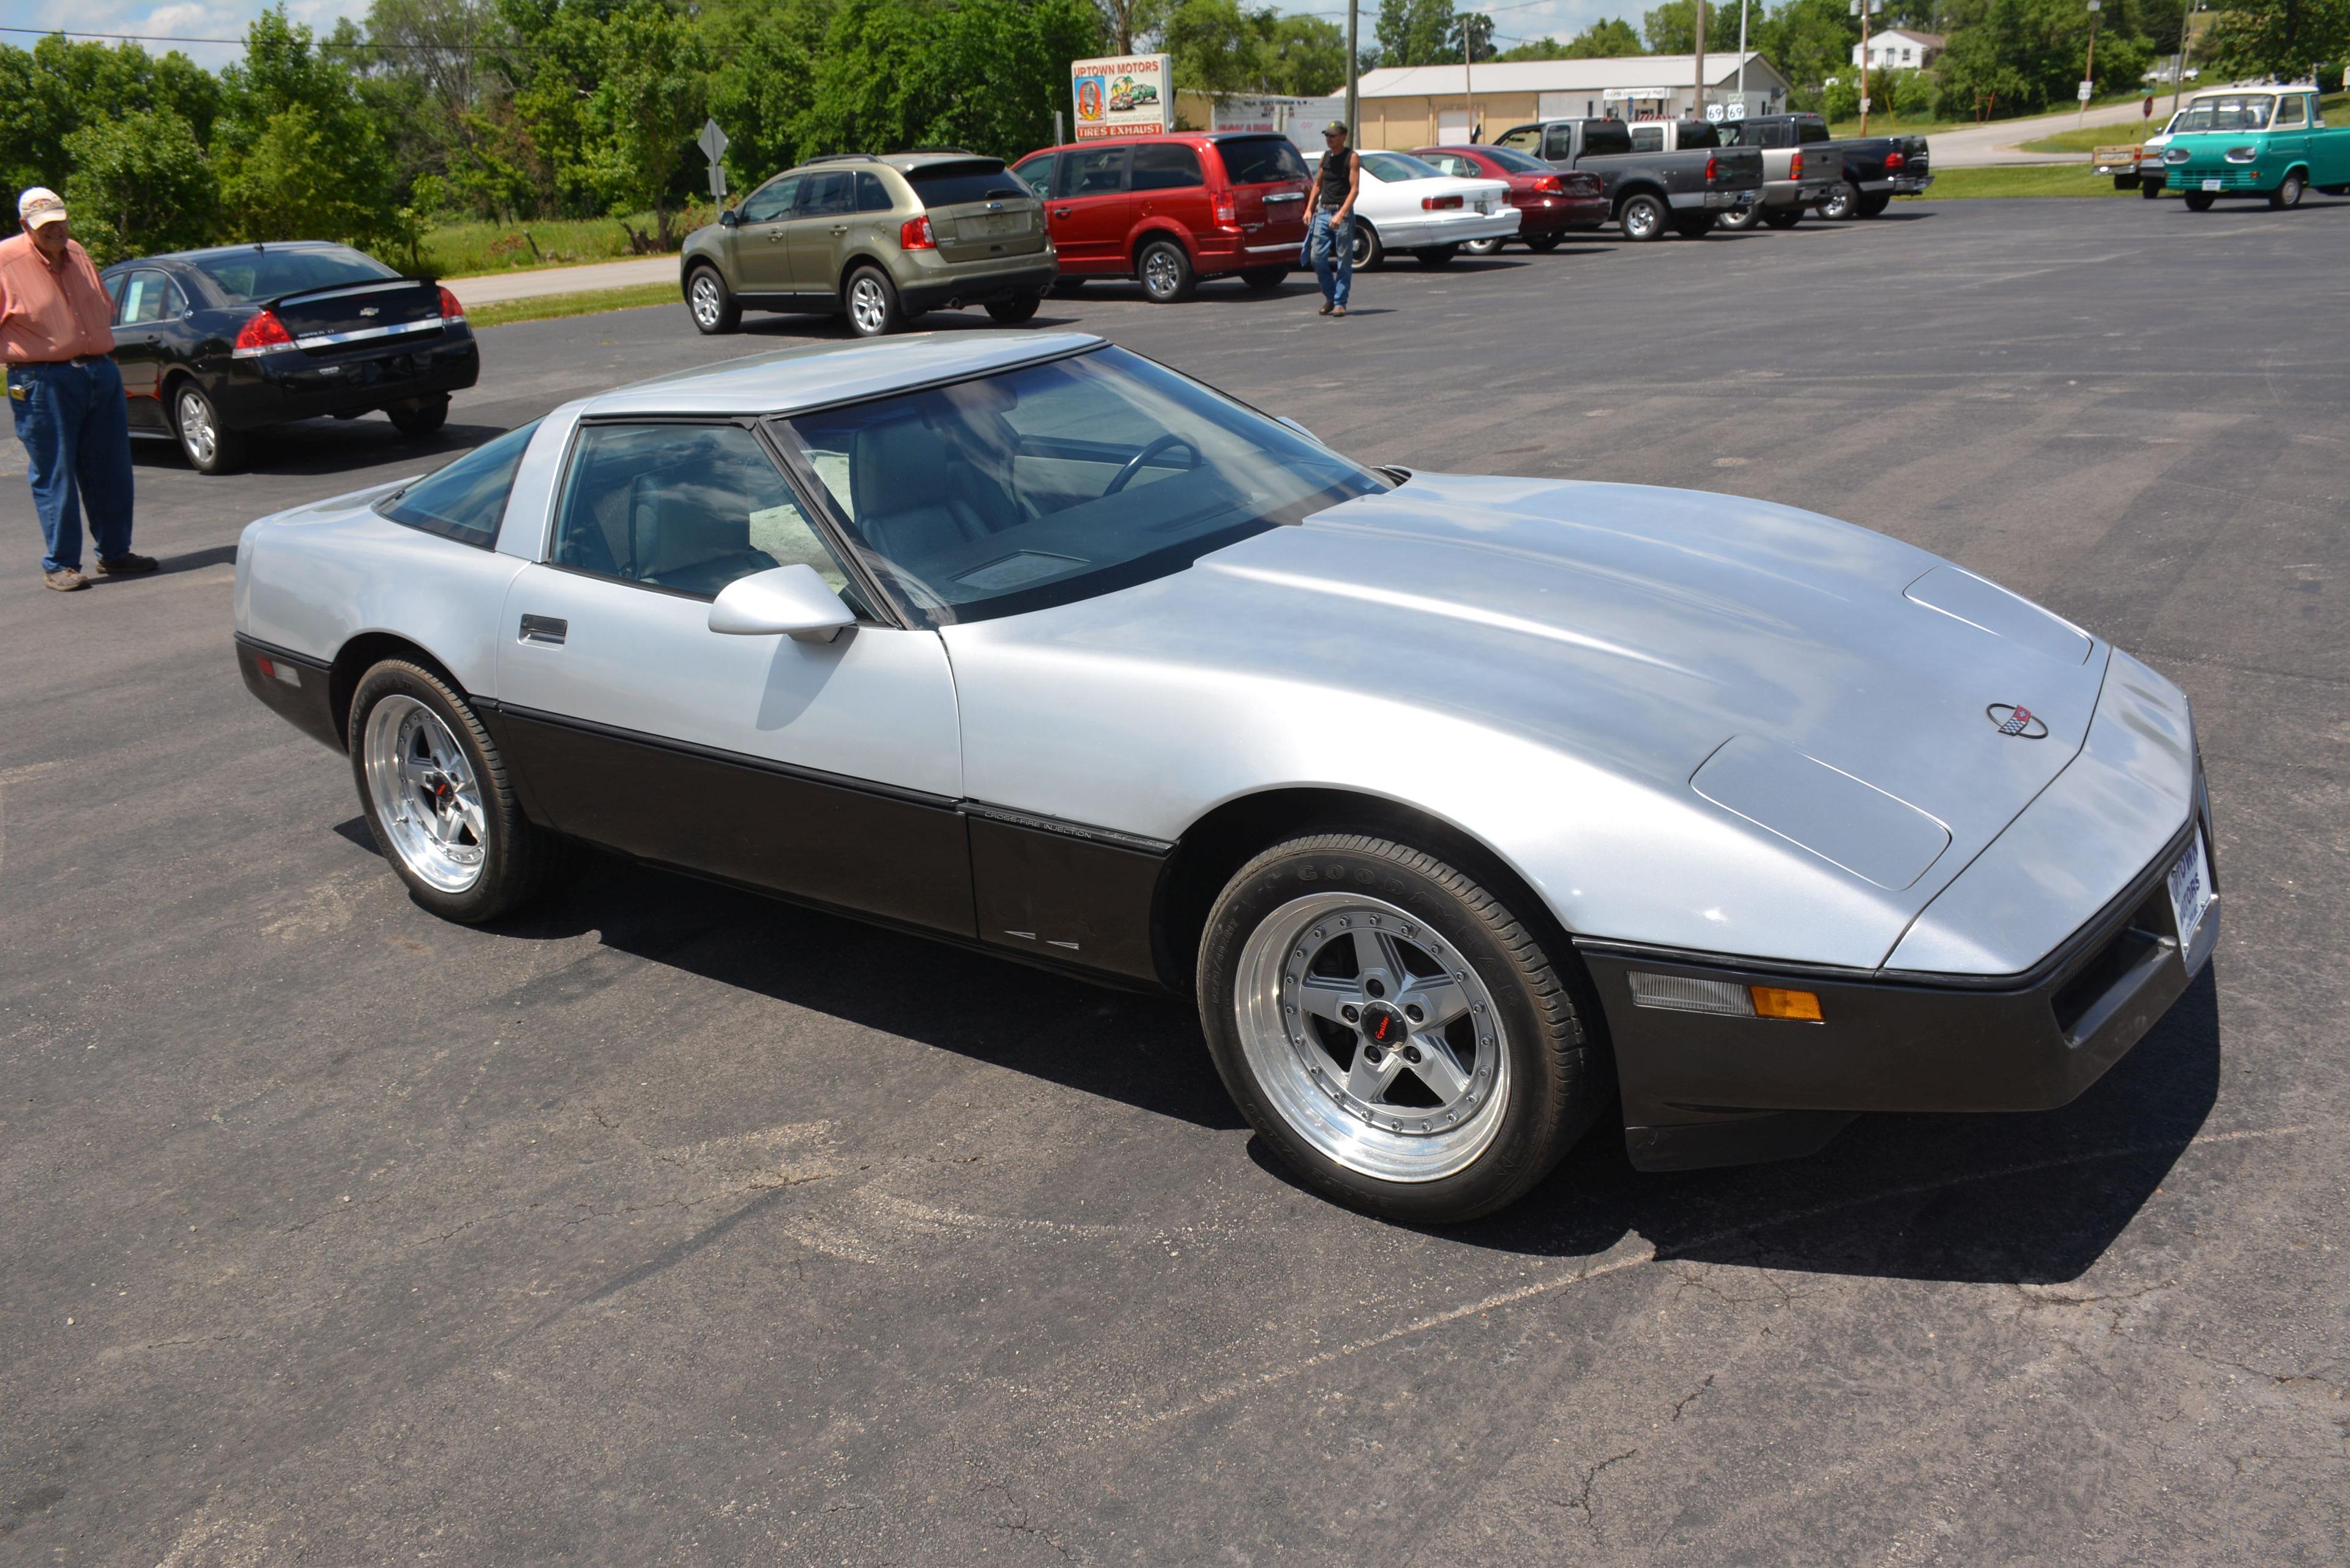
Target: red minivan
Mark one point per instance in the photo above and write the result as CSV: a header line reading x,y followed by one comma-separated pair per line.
x,y
1172,210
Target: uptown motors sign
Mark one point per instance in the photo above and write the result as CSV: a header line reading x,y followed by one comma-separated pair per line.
x,y
1123,95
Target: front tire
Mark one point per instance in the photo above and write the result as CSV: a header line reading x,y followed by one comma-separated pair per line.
x,y
1738,219
208,448
2287,192
1694,225
1264,279
1644,218
1872,206
1166,272
1543,244
1012,312
712,303
1398,1036
1484,247
2150,188
2199,201
1842,203
435,795
871,301
419,416
1782,217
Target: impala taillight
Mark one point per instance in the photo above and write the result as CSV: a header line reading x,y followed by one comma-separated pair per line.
x,y
1893,160
1549,185
265,334
1712,170
914,234
450,310
1438,203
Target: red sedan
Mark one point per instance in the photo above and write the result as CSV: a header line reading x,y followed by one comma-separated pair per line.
x,y
1551,201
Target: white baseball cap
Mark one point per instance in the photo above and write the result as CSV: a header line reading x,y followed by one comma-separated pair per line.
x,y
40,206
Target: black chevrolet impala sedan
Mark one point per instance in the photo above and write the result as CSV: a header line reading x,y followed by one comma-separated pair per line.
x,y
213,344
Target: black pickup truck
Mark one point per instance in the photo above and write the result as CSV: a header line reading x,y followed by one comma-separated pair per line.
x,y
1875,167
1682,191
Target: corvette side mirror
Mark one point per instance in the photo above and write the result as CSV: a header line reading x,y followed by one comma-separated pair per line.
x,y
1301,429
791,601
727,220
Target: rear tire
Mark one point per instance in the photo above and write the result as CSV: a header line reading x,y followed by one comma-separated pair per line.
x,y
1264,279
1166,272
711,303
1450,1120
419,416
1482,247
208,448
1643,217
1739,220
1843,203
871,301
2288,194
1694,225
1543,244
2199,201
1782,217
1012,312
1436,256
1370,252
1870,206
434,792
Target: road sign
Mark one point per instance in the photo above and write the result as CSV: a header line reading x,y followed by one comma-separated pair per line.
x,y
2087,91
713,142
1714,113
1737,108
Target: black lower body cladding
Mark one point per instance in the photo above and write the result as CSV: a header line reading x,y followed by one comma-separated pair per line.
x,y
1701,1089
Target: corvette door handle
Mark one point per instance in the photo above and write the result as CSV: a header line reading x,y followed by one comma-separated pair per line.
x,y
840,228
545,629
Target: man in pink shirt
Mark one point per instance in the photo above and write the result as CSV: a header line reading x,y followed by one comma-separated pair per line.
x,y
66,394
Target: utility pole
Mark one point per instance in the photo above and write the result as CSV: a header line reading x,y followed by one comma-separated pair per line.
x,y
1861,9
1699,112
1469,66
1741,57
2178,62
1354,67
2089,71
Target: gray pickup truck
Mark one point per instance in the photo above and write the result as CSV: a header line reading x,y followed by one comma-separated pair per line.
x,y
1684,191
1802,169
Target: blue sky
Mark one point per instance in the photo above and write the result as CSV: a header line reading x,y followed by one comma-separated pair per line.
x,y
1512,20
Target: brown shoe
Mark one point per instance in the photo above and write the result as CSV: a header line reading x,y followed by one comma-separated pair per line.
x,y
66,579
1326,308
126,566
1337,310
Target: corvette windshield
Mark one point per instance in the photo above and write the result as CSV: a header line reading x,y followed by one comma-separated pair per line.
x,y
1057,482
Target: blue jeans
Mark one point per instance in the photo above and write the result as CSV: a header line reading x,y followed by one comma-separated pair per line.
x,y
71,421
1330,250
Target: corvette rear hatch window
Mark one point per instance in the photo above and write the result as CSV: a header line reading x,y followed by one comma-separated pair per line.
x,y
465,500
1051,483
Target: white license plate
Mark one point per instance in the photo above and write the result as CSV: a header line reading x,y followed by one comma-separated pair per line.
x,y
2191,890
2211,184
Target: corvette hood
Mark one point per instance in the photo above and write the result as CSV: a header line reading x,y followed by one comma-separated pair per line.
x,y
1804,685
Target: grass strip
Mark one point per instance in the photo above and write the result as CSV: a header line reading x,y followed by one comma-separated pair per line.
x,y
2019,179
548,307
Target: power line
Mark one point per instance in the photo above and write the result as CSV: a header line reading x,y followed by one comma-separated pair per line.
x,y
176,38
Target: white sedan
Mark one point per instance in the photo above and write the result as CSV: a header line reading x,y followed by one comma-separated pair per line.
x,y
1407,205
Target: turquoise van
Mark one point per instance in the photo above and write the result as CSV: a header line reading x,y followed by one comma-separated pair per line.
x,y
2263,142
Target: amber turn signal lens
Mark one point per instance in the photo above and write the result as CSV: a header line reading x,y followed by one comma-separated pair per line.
x,y
1770,1001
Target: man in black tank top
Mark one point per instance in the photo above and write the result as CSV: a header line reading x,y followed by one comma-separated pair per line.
x,y
1330,243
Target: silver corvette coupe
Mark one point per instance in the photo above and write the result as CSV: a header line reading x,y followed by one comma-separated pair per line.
x,y
1467,808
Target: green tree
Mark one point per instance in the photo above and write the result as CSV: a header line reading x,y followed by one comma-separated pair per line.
x,y
1416,33
1215,46
1604,39
1808,40
140,184
1304,56
296,154
1672,27
2282,38
54,89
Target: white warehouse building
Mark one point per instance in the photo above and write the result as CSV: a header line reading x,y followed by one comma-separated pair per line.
x,y
1419,106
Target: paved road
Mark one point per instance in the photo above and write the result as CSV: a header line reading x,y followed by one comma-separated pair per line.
x,y
672,1226
496,287
2002,141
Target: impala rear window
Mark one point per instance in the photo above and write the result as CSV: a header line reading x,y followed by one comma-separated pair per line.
x,y
260,272
465,500
1056,482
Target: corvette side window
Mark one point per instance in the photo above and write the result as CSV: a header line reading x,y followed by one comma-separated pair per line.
x,y
465,500
684,507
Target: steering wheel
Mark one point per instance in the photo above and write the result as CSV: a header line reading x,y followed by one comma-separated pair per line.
x,y
1134,464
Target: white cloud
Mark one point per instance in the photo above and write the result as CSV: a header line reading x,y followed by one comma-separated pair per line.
x,y
225,19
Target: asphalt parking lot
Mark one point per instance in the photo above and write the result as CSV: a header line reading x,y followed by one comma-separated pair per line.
x,y
673,1226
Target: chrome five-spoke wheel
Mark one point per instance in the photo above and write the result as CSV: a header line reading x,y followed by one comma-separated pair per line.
x,y
1375,1038
705,301
868,304
426,798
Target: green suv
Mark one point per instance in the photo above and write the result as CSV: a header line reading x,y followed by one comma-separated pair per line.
x,y
878,238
